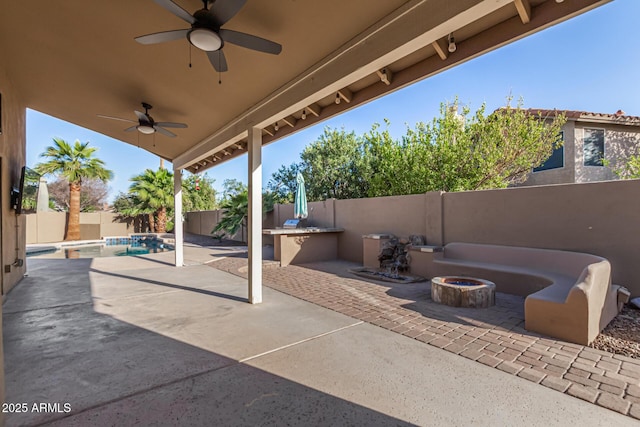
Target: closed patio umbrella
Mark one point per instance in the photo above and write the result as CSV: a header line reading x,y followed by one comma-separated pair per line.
x,y
300,203
42,201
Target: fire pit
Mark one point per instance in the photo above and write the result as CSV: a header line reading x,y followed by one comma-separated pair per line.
x,y
463,291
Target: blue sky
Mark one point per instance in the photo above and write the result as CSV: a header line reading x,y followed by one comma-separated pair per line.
x,y
589,63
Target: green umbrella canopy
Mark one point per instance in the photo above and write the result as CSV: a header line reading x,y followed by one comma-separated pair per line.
x,y
300,206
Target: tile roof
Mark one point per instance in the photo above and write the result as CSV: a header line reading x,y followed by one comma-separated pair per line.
x,y
617,118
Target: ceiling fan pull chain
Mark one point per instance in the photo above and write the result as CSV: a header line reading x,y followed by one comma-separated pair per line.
x,y
189,55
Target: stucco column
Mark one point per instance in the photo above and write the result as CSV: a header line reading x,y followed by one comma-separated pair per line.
x,y
255,215
177,217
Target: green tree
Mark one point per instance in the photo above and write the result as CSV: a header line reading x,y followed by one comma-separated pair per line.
x,y
236,207
154,193
333,166
630,169
198,194
74,163
282,185
128,206
231,187
458,152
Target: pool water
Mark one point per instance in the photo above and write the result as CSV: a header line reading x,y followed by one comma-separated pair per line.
x,y
104,250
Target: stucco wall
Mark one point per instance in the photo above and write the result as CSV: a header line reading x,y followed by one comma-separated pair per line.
x,y
619,143
12,153
203,222
12,158
399,215
597,218
565,174
48,227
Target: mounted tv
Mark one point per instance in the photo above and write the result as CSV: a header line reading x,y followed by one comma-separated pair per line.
x,y
16,193
23,197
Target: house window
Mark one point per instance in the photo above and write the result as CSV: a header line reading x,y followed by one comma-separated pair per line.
x,y
556,160
594,147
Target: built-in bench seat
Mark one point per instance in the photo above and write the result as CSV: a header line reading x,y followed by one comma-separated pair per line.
x,y
569,295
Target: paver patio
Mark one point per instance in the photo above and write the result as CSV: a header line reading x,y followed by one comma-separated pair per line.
x,y
136,341
494,337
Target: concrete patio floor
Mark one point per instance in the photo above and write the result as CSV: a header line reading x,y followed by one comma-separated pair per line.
x,y
135,341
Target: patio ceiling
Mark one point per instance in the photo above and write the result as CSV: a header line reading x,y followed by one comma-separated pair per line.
x,y
76,59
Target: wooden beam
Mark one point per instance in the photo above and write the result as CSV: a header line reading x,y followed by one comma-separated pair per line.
x,y
440,47
290,120
524,10
386,76
269,131
345,94
314,109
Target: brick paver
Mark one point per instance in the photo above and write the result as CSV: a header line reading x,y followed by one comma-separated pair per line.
x,y
494,336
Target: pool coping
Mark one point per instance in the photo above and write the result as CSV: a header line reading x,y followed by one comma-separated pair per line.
x,y
41,248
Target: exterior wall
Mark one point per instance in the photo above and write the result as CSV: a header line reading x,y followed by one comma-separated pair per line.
x,y
12,154
398,215
619,143
564,174
203,222
48,227
12,158
597,218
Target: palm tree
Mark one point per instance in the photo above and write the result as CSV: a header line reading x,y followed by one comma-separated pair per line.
x,y
74,163
154,189
236,209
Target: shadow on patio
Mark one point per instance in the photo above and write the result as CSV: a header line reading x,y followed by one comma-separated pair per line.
x,y
67,341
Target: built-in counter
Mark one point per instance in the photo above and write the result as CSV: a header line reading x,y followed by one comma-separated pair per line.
x,y
302,245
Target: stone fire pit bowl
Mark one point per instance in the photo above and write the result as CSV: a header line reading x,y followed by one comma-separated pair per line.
x,y
463,291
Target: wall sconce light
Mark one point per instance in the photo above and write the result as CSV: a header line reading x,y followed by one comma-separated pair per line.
x,y
452,44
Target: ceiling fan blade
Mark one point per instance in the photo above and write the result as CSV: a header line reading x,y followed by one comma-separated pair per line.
x,y
251,42
218,60
164,131
142,116
115,118
176,10
171,125
132,128
164,36
223,10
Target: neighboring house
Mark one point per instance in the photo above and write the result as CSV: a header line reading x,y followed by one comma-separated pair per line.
x,y
595,145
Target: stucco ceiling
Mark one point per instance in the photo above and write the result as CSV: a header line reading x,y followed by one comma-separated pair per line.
x,y
75,59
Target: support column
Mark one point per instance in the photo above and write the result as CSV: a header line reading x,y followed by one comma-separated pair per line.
x,y
177,217
255,215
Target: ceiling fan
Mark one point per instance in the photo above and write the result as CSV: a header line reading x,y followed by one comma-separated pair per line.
x,y
146,124
206,32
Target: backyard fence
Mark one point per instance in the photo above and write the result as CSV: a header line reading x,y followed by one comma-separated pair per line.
x,y
600,218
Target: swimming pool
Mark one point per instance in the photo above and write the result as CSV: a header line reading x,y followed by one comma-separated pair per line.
x,y
107,249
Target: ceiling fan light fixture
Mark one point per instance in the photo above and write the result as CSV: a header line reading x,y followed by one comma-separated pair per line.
x,y
204,39
146,129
